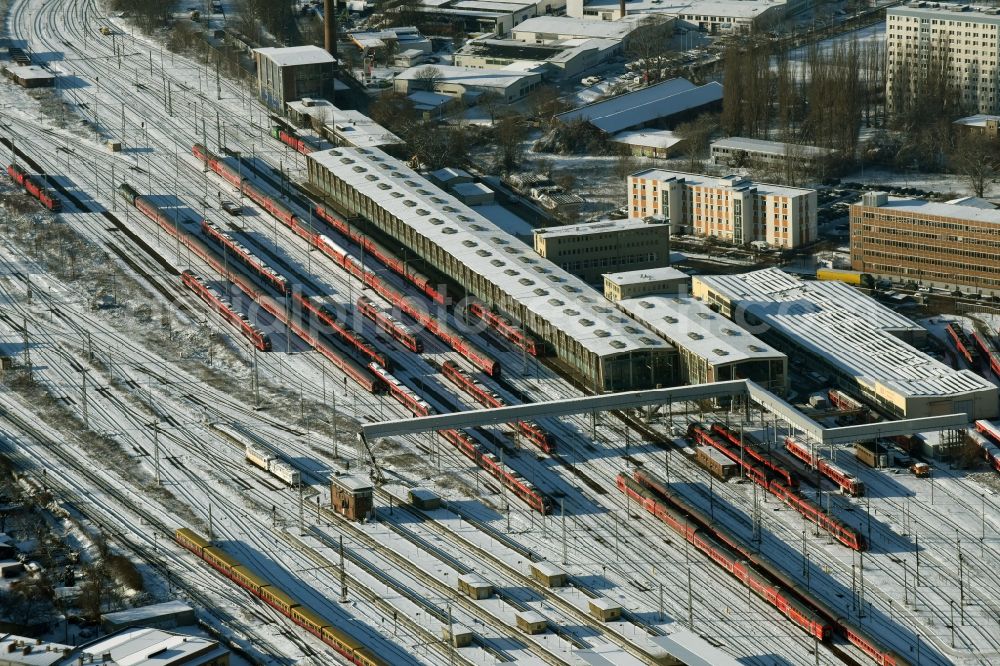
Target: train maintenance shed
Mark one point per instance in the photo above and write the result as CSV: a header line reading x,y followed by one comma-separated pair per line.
x,y
710,348
854,337
589,336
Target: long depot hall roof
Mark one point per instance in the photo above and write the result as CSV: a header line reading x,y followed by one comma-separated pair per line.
x,y
564,301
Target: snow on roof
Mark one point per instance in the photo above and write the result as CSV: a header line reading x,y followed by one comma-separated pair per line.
x,y
963,12
645,275
469,76
25,72
605,604
563,300
577,27
690,324
547,568
905,206
449,174
978,120
716,455
735,182
848,329
134,647
352,482
737,9
424,99
645,105
295,55
470,189
474,580
691,649
601,226
972,202
46,654
650,138
771,147
137,615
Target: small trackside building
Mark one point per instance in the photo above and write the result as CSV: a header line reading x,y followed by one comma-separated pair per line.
x,y
588,336
288,74
854,337
351,496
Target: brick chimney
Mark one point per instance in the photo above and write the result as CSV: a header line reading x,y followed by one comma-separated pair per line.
x,y
621,7
330,26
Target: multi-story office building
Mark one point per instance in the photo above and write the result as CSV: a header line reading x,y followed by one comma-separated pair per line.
x,y
946,245
960,39
288,74
730,208
590,250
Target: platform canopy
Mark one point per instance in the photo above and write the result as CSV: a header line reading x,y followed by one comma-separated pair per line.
x,y
662,397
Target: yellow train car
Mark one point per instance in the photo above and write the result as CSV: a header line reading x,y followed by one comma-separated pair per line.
x,y
857,278
278,599
220,559
366,657
248,579
310,619
190,540
344,643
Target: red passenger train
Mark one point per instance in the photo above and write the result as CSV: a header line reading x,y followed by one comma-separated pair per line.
x,y
963,344
513,481
179,229
35,187
989,350
728,559
389,325
322,312
299,144
503,326
777,486
747,444
403,394
222,305
987,438
848,483
243,254
487,398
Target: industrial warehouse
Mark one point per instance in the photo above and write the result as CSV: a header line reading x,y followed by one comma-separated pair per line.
x,y
610,352
863,343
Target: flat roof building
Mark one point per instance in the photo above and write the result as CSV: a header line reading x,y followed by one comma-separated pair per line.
x,y
549,29
487,16
586,333
920,35
136,646
342,127
946,245
632,284
854,337
401,38
710,348
592,249
554,60
712,16
737,151
731,208
166,615
288,74
650,143
666,102
468,83
982,123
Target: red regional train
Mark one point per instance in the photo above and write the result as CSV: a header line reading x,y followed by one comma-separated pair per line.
x,y
298,143
513,481
963,344
243,253
324,313
845,534
35,187
391,326
222,305
519,337
660,491
848,483
342,258
487,398
747,444
987,438
327,631
988,350
728,558
403,394
179,229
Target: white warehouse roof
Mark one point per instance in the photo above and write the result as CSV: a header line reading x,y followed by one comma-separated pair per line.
x,y
601,226
565,301
848,329
468,76
645,105
778,148
296,55
689,323
577,27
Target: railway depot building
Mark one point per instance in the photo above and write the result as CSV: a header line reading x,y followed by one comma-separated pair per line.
x,y
288,74
593,249
731,208
946,245
710,347
860,342
588,335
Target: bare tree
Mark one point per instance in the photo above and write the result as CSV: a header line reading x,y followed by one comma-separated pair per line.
x,y
510,134
696,135
977,158
492,101
427,77
647,44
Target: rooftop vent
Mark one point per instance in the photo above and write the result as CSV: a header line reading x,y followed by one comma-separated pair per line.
x,y
646,340
730,331
633,330
695,336
477,227
541,292
372,177
449,230
601,333
497,263
436,220
617,344
346,160
570,312
438,200
484,253
421,211
527,282
384,186
359,169
586,322
450,209
756,348
720,352
469,243
511,271
705,315
646,304
410,203
556,302
397,195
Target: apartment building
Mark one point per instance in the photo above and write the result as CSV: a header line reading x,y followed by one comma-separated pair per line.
x,y
593,249
730,208
963,39
946,245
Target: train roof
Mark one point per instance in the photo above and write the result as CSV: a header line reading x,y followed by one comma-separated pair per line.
x,y
193,537
223,556
552,294
850,330
251,576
